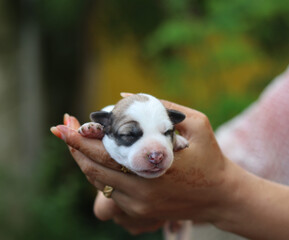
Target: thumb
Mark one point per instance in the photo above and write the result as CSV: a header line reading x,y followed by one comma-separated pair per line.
x,y
192,121
105,208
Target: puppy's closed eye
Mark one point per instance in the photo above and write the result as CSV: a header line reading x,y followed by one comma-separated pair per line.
x,y
129,138
169,132
129,135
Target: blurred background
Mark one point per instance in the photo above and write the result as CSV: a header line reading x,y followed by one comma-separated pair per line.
x,y
76,56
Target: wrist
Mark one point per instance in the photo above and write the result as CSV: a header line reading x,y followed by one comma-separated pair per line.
x,y
251,206
231,195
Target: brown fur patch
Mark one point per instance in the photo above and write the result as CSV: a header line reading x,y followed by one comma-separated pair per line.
x,y
123,124
124,103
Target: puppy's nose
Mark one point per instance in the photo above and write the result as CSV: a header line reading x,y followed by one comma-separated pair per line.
x,y
156,157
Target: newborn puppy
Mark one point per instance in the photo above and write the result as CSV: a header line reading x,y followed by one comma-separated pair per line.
x,y
139,134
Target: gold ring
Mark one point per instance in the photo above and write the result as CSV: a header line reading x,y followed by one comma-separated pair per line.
x,y
124,169
107,191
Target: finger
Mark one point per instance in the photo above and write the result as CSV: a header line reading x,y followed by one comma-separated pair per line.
x,y
125,94
105,208
98,171
96,174
175,106
92,148
85,163
71,121
146,228
100,176
192,120
137,225
88,167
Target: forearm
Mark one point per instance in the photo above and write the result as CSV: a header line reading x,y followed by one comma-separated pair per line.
x,y
255,208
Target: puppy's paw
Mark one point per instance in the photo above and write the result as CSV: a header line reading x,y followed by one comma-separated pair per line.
x,y
91,130
180,143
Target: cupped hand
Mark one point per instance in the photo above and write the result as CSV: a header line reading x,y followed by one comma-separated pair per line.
x,y
104,208
190,189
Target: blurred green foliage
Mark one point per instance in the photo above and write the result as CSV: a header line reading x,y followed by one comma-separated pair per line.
x,y
201,42
60,205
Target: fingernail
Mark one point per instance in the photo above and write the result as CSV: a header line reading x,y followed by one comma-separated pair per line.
x,y
125,94
66,119
57,133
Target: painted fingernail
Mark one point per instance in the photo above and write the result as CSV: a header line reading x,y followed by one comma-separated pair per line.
x,y
57,133
125,94
66,119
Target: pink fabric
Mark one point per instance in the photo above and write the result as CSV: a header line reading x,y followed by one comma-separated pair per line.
x,y
258,139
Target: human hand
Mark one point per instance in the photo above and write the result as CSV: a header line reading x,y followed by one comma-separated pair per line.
x,y
190,189
104,208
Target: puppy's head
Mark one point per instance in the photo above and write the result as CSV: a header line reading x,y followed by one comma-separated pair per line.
x,y
139,134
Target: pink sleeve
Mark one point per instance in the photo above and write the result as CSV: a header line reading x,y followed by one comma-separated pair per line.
x,y
258,139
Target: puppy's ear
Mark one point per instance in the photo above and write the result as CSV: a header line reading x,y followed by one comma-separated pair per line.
x,y
175,116
101,117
